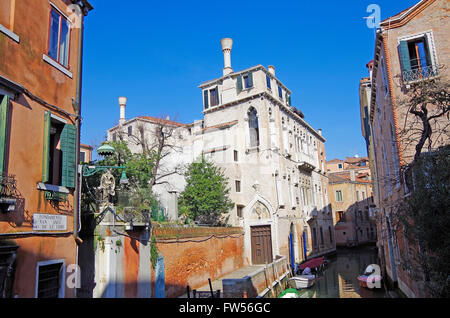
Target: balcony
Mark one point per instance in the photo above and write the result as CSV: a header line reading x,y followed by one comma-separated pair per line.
x,y
8,193
418,73
306,162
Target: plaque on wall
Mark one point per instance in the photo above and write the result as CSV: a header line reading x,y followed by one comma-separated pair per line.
x,y
49,222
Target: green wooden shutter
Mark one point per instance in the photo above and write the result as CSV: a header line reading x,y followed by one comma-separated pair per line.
x,y
289,100
69,161
4,103
46,148
405,60
250,79
205,98
239,84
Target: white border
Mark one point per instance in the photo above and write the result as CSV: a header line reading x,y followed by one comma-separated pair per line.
x,y
9,33
56,65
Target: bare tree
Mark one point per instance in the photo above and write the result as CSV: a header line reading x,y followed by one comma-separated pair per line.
x,y
157,139
426,121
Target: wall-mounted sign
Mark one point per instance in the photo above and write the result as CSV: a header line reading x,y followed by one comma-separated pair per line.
x,y
49,222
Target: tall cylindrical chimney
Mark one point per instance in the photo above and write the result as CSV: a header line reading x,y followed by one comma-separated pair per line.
x,y
227,45
271,69
122,104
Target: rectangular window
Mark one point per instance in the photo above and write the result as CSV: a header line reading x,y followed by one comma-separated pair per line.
x,y
59,38
6,13
280,92
236,156
205,99
50,282
340,216
239,210
314,237
321,237
269,85
248,80
331,234
238,185
214,96
416,58
82,156
130,130
338,196
59,162
114,137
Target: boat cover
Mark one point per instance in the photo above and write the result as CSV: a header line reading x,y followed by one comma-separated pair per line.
x,y
315,262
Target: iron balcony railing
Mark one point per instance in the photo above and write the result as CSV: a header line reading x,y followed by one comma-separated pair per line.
x,y
418,73
8,186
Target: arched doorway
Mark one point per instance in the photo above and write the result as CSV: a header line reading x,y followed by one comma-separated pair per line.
x,y
260,241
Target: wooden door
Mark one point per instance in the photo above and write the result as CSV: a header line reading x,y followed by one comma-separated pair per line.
x,y
261,239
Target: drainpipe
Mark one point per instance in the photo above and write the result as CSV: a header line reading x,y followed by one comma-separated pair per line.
x,y
77,105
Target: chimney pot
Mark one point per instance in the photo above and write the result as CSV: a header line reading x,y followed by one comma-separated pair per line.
x,y
122,104
271,69
227,45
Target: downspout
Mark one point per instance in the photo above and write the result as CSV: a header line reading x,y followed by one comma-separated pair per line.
x,y
77,105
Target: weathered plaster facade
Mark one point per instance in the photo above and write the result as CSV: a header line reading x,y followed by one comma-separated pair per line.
x,y
390,81
36,93
273,158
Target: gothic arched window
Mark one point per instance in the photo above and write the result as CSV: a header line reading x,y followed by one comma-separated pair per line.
x,y
253,127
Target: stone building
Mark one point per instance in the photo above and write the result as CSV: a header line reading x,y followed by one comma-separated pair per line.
x,y
274,160
40,98
350,195
410,47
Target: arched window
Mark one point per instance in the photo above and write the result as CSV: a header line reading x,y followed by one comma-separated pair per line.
x,y
253,127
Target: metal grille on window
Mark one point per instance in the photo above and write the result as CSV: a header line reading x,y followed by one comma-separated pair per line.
x,y
49,280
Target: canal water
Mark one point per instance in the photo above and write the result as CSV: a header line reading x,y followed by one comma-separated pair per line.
x,y
339,279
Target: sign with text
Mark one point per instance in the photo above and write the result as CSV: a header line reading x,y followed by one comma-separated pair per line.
x,y
49,222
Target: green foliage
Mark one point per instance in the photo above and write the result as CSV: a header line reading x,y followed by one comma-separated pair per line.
x,y
206,196
154,253
426,219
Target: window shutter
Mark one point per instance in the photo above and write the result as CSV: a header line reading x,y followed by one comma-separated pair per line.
x,y
46,150
289,100
428,51
250,79
68,148
205,98
404,59
4,103
239,84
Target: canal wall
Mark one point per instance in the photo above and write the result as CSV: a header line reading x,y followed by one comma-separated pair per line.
x,y
194,255
268,281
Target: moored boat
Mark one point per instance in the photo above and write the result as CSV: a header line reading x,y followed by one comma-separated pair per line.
x,y
303,281
290,293
372,280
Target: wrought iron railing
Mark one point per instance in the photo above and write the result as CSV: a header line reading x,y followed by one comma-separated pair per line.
x,y
418,73
8,186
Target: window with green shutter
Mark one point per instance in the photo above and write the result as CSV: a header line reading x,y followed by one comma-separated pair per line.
x,y
68,149
59,153
239,84
4,104
205,99
46,148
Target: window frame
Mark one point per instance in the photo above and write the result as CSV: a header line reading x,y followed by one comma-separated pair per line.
x,y
62,276
53,7
237,185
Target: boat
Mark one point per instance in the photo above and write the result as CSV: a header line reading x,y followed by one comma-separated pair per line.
x,y
303,281
290,293
370,277
372,280
315,264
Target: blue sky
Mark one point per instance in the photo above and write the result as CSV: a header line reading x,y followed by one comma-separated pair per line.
x,y
157,53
